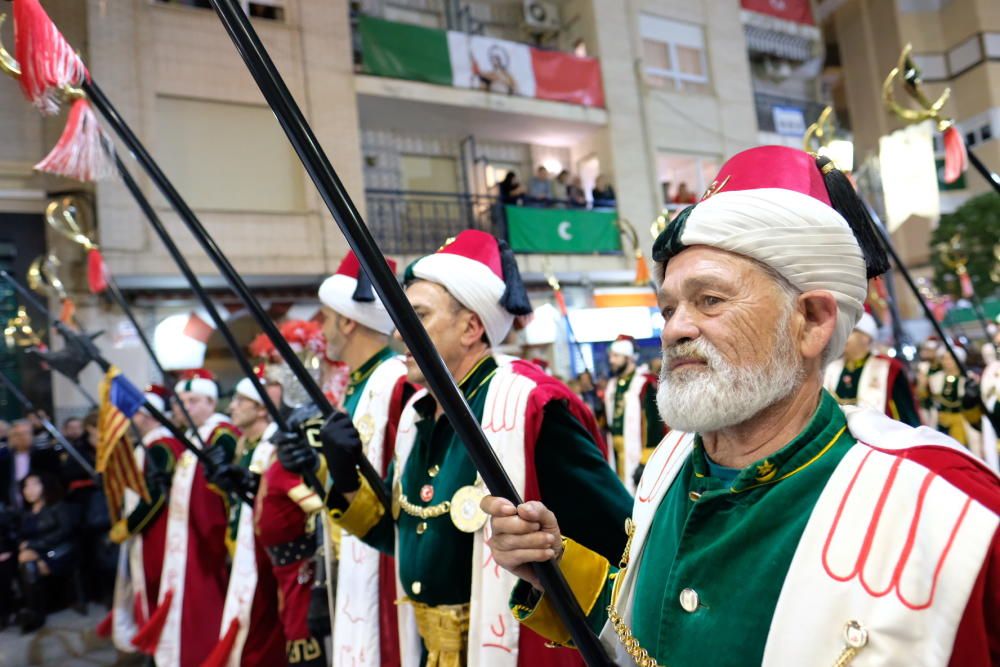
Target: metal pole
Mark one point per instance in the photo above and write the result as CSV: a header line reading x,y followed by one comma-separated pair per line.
x,y
187,216
439,380
105,365
206,301
991,177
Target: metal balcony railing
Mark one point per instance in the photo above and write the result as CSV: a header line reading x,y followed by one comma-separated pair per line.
x,y
412,223
765,104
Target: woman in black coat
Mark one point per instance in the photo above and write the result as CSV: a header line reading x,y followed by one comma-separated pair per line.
x,y
46,546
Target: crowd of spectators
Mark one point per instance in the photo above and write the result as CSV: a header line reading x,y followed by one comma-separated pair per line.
x,y
54,549
563,191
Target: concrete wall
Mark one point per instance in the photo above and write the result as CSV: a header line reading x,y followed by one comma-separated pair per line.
x,y
185,53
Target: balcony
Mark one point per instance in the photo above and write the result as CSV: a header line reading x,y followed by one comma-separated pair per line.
x,y
492,66
417,223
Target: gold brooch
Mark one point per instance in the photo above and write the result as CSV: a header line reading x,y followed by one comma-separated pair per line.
x,y
766,471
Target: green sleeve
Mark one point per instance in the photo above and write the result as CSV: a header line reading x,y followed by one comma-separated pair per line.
x,y
592,581
579,486
158,468
359,518
225,438
654,427
902,400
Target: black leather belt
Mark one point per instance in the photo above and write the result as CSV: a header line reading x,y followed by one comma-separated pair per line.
x,y
294,551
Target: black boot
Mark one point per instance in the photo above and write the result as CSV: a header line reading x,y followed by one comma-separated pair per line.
x,y
32,616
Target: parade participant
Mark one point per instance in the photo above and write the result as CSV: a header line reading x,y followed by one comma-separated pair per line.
x,y
926,366
630,403
952,401
250,632
142,532
872,380
283,526
772,526
285,513
184,626
454,609
357,328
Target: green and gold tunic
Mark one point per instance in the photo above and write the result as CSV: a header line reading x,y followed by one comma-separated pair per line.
x,y
435,558
359,378
695,590
902,406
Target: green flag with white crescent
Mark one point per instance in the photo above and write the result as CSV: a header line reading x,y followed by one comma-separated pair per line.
x,y
568,231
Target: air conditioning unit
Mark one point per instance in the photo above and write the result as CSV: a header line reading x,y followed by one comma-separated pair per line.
x,y
541,16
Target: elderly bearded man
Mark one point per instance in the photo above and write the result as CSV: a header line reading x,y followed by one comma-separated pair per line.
x,y
466,295
781,529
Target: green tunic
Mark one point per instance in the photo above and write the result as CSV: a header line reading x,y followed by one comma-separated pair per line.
x,y
359,378
575,480
901,404
731,544
159,466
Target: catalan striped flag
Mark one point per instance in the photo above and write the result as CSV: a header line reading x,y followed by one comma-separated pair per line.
x,y
120,399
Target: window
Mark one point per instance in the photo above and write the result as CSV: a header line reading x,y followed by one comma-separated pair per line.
x,y
673,55
228,157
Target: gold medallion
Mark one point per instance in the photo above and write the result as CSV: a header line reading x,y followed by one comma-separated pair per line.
x,y
465,511
366,428
397,491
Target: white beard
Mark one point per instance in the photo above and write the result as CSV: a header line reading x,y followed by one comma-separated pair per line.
x,y
721,395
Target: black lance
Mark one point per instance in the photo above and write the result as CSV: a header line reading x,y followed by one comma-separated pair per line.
x,y
206,301
85,343
208,244
50,427
887,242
439,380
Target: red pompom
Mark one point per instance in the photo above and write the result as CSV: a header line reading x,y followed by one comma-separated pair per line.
x,y
149,635
81,151
220,654
96,271
956,160
48,62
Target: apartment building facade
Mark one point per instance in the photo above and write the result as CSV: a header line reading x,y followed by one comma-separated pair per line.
x,y
659,93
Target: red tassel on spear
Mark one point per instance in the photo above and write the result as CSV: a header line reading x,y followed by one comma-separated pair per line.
x,y
81,152
48,63
956,158
48,70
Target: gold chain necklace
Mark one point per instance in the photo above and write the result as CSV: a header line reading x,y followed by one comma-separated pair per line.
x,y
424,513
631,644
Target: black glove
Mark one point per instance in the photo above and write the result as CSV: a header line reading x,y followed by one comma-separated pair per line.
x,y
637,473
295,454
235,480
215,457
318,616
342,448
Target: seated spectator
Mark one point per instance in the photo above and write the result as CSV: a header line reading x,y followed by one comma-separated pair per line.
x,y
560,187
604,194
46,546
21,457
575,194
684,196
511,189
540,187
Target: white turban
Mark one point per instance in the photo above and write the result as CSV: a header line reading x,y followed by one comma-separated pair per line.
x,y
800,237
